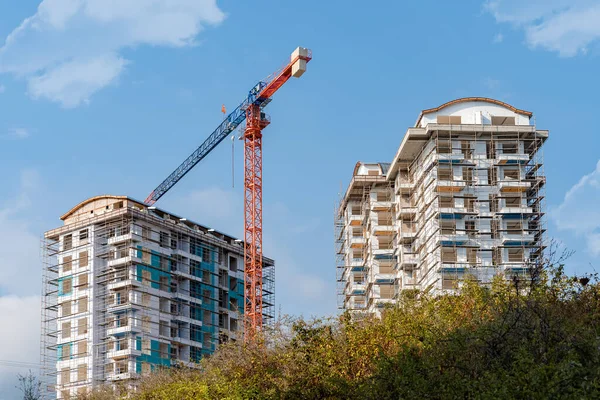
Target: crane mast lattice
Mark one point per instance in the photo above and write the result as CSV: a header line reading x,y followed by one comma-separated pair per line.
x,y
249,110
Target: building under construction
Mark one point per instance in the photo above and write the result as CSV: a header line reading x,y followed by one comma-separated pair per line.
x,y
129,288
463,196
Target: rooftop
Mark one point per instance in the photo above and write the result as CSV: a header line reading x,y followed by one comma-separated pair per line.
x,y
472,100
96,206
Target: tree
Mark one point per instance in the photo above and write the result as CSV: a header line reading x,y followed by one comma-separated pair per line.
x,y
30,386
534,336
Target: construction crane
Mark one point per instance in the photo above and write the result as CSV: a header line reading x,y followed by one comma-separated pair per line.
x,y
249,110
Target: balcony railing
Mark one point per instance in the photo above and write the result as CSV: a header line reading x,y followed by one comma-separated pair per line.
x,y
408,259
355,219
512,158
517,238
450,157
448,184
515,210
404,184
357,241
513,185
457,237
357,289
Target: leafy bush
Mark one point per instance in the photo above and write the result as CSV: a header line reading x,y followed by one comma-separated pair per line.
x,y
513,340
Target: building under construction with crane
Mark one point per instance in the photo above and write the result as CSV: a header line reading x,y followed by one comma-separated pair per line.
x,y
129,287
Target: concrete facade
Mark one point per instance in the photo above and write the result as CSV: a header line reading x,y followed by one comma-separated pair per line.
x,y
130,288
463,196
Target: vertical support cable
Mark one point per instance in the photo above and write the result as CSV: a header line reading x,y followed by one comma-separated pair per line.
x,y
232,161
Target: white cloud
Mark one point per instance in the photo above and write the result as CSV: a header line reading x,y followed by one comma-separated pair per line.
x,y
20,264
70,49
564,26
498,38
18,133
20,340
74,82
20,283
579,211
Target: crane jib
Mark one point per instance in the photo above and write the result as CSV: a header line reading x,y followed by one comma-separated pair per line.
x,y
229,124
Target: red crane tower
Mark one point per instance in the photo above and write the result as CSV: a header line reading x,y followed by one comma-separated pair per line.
x,y
256,120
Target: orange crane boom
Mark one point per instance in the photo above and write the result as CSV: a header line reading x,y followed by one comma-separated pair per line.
x,y
251,111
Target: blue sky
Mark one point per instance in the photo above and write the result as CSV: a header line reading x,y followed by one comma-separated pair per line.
x,y
110,96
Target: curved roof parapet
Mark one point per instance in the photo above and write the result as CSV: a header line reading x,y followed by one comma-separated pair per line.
x,y
383,167
472,99
84,212
91,200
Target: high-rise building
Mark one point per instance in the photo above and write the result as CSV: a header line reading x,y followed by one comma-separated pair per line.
x,y
129,288
463,196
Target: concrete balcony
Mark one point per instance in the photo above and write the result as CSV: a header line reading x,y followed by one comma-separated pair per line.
x,y
458,238
518,265
186,297
382,230
381,205
454,210
403,210
404,187
450,185
405,234
116,354
352,305
384,278
357,289
119,261
122,330
186,275
450,158
515,266
356,241
118,377
185,319
406,283
382,252
124,283
354,220
513,186
124,238
356,262
407,260
455,266
517,239
122,306
186,341
510,159
515,210
356,266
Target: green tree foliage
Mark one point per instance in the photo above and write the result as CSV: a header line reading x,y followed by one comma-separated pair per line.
x,y
538,339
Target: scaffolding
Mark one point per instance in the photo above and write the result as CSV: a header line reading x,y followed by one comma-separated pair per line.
x,y
131,291
467,200
448,230
364,225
